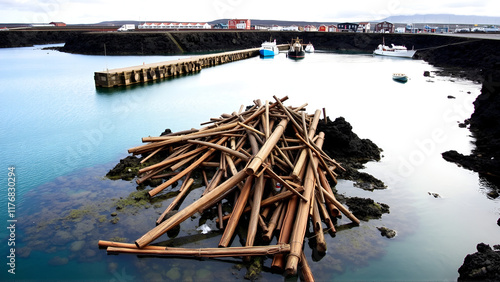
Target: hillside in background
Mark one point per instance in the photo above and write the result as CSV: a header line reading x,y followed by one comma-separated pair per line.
x,y
427,18
445,19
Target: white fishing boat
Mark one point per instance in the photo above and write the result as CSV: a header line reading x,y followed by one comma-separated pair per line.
x,y
400,77
269,49
309,48
394,51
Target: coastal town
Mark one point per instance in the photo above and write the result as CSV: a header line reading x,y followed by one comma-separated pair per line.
x,y
248,24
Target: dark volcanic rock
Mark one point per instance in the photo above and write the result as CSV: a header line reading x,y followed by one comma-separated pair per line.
x,y
481,266
126,169
366,209
342,143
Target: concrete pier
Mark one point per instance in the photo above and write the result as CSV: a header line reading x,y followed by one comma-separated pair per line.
x,y
155,71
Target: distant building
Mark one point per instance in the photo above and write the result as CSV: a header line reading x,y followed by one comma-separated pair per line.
x,y
347,27
276,27
58,23
332,28
4,29
238,24
291,28
220,26
310,28
384,27
147,25
364,27
323,28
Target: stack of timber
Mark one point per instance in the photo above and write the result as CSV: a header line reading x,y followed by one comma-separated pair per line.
x,y
269,159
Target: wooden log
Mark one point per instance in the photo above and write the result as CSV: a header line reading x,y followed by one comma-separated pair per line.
x,y
105,244
273,222
318,227
286,232
284,183
220,148
271,200
164,185
187,212
207,252
237,211
326,218
300,225
182,191
306,271
255,212
172,160
264,152
334,211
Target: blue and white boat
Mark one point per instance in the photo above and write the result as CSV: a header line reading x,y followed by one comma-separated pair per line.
x,y
269,49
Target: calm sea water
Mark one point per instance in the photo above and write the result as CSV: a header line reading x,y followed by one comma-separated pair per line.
x,y
62,135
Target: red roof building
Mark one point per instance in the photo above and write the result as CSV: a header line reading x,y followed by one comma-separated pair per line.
x,y
238,24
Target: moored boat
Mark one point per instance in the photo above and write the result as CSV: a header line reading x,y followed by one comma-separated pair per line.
x,y
400,77
309,48
269,49
296,50
394,51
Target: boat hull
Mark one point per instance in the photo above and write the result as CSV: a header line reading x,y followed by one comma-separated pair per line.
x,y
269,53
401,54
296,54
401,79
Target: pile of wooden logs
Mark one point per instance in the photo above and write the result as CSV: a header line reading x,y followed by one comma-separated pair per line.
x,y
269,158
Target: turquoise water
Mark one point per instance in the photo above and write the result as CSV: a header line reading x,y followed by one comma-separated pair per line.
x,y
62,134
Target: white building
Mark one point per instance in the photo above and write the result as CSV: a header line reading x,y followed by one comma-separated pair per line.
x,y
147,25
291,28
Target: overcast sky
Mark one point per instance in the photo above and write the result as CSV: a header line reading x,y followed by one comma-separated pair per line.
x,y
94,11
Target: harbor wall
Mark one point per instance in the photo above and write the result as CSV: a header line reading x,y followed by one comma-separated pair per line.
x,y
474,53
454,52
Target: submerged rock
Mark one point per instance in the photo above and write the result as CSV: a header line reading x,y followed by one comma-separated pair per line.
x,y
389,233
484,265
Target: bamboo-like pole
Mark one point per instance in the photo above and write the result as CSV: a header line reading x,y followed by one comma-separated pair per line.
x,y
271,200
273,222
286,231
264,152
183,191
172,160
105,244
255,212
207,252
196,163
306,269
237,211
300,225
334,211
185,213
318,227
220,148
